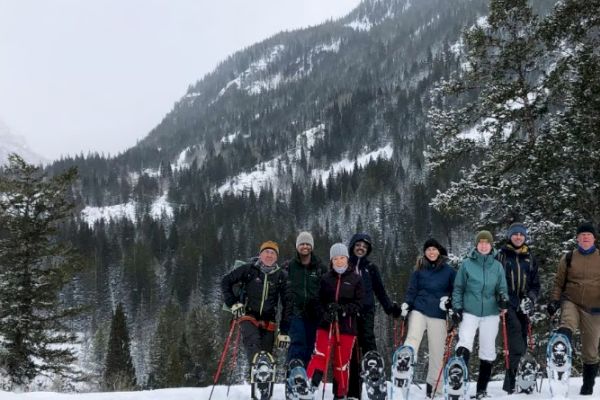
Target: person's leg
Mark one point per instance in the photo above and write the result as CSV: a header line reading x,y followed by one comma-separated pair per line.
x,y
363,340
416,328
516,348
341,363
310,332
298,340
569,320
251,339
466,335
436,339
316,365
488,330
590,337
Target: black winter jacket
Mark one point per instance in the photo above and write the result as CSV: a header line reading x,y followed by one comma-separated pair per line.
x,y
349,295
261,292
303,287
521,271
372,283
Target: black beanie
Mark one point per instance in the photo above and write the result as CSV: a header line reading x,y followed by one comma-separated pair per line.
x,y
587,227
434,243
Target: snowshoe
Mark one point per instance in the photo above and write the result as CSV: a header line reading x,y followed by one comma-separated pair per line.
x,y
402,372
456,379
558,364
373,376
528,373
298,386
262,376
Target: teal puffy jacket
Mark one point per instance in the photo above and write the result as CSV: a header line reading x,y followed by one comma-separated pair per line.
x,y
479,284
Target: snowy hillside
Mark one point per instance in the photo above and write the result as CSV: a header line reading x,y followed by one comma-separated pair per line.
x,y
11,143
241,392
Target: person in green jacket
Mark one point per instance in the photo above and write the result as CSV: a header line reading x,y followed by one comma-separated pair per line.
x,y
480,294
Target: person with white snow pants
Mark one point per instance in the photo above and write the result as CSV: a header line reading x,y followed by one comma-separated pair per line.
x,y
431,281
479,295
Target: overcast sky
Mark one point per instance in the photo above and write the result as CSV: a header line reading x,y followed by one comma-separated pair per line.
x,y
81,75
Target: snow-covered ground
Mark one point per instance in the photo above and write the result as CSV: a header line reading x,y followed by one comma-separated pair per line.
x,y
242,392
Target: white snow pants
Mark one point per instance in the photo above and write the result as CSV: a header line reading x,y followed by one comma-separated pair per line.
x,y
488,330
418,323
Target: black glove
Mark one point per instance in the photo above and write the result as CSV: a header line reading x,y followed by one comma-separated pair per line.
x,y
395,310
456,315
503,304
553,307
331,314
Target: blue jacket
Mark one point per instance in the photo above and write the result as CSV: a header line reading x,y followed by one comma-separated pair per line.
x,y
372,283
428,283
521,273
479,284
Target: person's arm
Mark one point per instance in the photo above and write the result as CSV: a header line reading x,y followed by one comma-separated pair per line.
x,y
559,279
354,307
231,279
411,291
379,289
533,285
501,286
459,288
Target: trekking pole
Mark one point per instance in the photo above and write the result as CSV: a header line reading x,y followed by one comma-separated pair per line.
x,y
402,329
232,326
339,351
447,350
234,357
327,359
505,337
530,335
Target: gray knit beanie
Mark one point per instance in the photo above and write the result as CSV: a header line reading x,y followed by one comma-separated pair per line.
x,y
338,249
305,237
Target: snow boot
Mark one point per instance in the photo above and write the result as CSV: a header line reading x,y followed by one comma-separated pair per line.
x,y
589,376
429,390
464,353
510,379
485,373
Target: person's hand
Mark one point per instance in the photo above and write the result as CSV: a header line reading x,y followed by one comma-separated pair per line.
x,y
404,310
238,310
445,303
526,306
331,313
457,316
553,307
503,305
283,341
395,310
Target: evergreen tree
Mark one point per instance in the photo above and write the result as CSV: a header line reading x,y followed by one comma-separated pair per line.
x,y
34,266
119,373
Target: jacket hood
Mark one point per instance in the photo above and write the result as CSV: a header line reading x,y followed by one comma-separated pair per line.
x,y
357,238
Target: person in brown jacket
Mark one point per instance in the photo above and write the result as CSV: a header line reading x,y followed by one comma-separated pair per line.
x,y
576,293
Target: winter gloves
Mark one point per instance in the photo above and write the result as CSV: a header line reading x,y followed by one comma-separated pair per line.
x,y
404,310
283,341
445,303
526,306
503,304
395,310
238,310
457,316
553,307
331,314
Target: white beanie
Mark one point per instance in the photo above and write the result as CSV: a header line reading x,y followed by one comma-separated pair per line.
x,y
305,237
338,249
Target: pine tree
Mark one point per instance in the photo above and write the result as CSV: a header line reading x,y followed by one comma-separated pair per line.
x,y
119,373
34,266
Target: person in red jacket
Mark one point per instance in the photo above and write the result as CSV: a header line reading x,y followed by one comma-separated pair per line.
x,y
341,295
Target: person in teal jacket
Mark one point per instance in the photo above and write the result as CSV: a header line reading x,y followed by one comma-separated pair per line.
x,y
480,294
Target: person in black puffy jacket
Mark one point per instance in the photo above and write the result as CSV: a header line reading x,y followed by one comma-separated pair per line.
x,y
341,295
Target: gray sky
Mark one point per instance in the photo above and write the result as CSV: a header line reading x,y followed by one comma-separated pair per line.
x,y
80,75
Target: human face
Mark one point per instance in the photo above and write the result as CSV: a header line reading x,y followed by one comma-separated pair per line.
x,y
360,248
484,247
432,253
517,239
339,261
585,240
304,249
268,257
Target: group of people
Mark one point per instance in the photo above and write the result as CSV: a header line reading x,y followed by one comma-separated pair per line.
x,y
331,309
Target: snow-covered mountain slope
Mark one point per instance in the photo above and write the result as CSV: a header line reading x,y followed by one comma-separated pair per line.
x,y
11,143
242,392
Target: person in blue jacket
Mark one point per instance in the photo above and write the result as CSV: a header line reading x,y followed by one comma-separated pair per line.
x,y
429,288
479,296
359,248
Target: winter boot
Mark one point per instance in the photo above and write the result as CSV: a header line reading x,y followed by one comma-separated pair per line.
x,y
429,390
509,381
485,373
464,353
316,379
589,376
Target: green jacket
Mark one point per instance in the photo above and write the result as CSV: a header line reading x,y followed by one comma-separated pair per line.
x,y
479,284
303,286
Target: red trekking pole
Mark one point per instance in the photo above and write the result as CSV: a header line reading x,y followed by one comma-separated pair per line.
x,y
232,326
327,359
234,357
505,337
447,350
